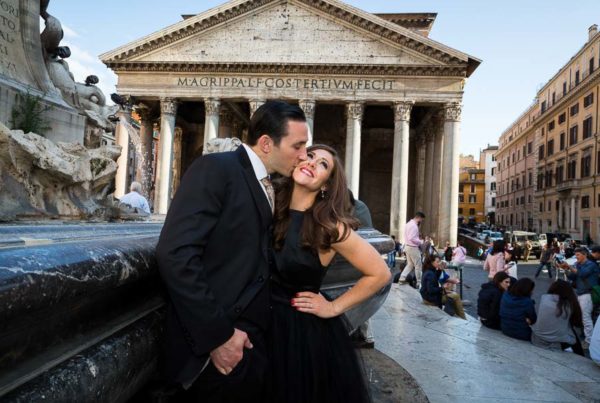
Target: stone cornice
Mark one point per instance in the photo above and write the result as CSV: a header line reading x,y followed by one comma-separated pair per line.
x,y
365,21
279,68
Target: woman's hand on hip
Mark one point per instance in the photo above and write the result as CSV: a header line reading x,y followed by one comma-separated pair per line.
x,y
316,304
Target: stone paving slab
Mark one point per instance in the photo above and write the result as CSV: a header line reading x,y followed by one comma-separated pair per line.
x,y
454,360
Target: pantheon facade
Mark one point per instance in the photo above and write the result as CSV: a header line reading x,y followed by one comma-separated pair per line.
x,y
374,86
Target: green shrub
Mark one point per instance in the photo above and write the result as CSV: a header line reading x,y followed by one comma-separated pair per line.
x,y
28,114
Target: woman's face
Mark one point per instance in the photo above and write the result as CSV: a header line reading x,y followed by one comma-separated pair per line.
x,y
505,284
315,171
437,263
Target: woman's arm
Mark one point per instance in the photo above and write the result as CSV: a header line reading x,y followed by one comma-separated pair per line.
x,y
360,254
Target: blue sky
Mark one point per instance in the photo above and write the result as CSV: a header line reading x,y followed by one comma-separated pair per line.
x,y
522,44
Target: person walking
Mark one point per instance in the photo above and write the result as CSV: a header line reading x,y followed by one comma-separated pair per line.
x,y
219,303
412,251
545,261
527,251
459,255
585,275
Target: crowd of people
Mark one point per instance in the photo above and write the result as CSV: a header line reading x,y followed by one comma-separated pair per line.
x,y
564,319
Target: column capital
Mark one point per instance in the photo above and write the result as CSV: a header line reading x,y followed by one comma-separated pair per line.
x,y
255,104
144,113
355,110
308,106
212,106
453,111
402,110
168,106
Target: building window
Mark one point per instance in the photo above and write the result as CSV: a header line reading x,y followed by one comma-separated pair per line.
x,y
471,211
544,106
541,152
541,207
587,128
472,199
565,88
588,100
472,188
591,65
562,118
529,199
493,201
522,199
530,147
585,202
517,201
461,187
573,135
550,150
460,210
530,178
549,205
571,169
586,166
461,198
493,186
577,77
551,126
492,173
560,171
562,141
575,109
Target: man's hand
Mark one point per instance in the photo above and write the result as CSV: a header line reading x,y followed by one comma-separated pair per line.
x,y
228,355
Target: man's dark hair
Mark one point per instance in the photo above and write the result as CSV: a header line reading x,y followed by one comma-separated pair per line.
x,y
596,249
272,119
522,288
581,250
420,214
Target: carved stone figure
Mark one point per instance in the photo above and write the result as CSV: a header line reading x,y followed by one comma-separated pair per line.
x,y
85,97
40,178
221,145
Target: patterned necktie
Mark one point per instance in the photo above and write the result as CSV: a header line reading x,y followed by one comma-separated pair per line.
x,y
266,181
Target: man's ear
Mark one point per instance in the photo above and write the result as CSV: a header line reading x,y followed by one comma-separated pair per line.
x,y
265,143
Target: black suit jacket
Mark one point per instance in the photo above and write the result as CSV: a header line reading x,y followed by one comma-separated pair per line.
x,y
213,256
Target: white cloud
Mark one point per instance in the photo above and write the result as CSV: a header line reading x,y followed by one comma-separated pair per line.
x,y
69,33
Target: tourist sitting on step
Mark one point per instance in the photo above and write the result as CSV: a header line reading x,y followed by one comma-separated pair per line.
x,y
488,302
434,286
517,310
559,315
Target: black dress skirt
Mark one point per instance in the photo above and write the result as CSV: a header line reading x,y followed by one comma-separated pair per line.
x,y
313,359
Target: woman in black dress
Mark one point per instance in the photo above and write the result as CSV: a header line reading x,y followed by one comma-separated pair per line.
x,y
312,357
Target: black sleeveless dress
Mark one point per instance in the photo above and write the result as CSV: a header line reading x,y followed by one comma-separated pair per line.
x,y
313,359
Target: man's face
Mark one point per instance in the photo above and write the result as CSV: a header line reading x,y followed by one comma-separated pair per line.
x,y
418,220
580,257
290,151
596,255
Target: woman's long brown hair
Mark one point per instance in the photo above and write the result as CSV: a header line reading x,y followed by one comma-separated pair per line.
x,y
320,227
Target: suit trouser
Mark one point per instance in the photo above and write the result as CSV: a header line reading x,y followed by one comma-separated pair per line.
x,y
246,383
413,261
585,302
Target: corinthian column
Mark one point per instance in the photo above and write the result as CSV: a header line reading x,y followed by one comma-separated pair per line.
x,y
429,164
353,139
308,106
177,155
399,200
450,174
254,105
168,111
436,184
122,139
420,183
143,172
211,123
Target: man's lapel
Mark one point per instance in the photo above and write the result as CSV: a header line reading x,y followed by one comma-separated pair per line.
x,y
258,194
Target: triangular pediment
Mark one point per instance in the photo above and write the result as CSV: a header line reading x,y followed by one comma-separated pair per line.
x,y
290,32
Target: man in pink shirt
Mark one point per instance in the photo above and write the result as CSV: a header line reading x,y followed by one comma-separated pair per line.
x,y
411,249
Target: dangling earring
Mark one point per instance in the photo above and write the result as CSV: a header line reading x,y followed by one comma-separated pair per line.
x,y
322,194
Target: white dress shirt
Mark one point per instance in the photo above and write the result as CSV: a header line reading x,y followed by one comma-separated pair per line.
x,y
259,168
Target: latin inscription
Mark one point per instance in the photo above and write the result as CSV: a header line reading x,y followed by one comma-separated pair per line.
x,y
9,24
285,83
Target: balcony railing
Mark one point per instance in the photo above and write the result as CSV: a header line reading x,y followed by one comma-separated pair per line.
x,y
567,185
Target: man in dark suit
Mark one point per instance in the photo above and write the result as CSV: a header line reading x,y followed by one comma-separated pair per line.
x,y
214,257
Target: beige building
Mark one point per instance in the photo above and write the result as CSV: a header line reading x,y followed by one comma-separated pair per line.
x,y
559,135
375,87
